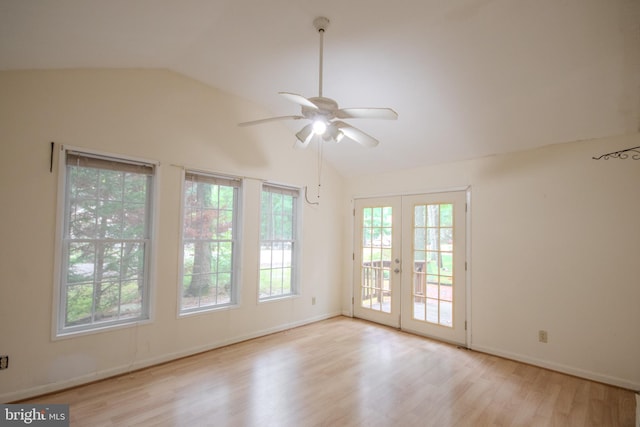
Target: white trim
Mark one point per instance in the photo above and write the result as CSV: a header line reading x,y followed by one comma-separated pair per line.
x,y
236,242
145,363
213,178
57,332
581,373
208,171
297,272
351,294
414,193
432,337
298,207
101,328
57,257
293,187
468,265
284,189
153,255
109,155
467,215
180,269
278,298
392,318
239,243
208,309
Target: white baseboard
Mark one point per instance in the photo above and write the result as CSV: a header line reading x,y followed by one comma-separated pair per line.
x,y
594,376
140,364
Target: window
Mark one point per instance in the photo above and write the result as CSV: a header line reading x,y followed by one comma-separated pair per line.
x,y
106,242
278,241
209,242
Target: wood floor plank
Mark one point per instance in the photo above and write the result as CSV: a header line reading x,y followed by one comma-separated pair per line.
x,y
345,372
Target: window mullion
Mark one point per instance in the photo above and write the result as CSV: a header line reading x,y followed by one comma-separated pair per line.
x,y
96,220
209,203
278,234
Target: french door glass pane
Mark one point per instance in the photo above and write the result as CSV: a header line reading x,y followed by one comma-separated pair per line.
x,y
433,263
376,258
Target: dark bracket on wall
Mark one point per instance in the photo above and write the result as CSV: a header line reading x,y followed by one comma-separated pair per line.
x,y
53,144
633,152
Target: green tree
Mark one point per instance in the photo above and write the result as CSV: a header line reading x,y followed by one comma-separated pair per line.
x,y
107,221
200,228
209,225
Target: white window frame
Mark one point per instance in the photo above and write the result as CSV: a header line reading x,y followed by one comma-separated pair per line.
x,y
295,242
59,328
218,179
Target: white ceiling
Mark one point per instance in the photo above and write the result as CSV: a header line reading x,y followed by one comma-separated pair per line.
x,y
469,78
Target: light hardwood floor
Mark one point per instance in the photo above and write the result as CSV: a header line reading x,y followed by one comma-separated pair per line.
x,y
345,372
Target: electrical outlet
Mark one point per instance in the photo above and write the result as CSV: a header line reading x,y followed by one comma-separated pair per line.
x,y
4,362
542,336
313,300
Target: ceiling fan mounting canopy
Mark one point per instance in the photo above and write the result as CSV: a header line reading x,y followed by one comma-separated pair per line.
x,y
321,23
323,112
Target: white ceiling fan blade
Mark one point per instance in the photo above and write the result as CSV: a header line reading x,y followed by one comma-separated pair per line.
x,y
356,134
304,136
270,119
367,113
299,99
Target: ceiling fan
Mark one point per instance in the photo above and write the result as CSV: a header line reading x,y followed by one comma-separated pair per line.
x,y
324,113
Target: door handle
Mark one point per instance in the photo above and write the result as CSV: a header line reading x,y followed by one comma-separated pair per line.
x,y
396,270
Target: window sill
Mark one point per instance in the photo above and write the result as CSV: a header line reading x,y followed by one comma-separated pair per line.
x,y
57,335
207,310
278,298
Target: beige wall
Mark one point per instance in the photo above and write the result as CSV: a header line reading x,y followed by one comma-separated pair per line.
x,y
555,236
160,116
555,245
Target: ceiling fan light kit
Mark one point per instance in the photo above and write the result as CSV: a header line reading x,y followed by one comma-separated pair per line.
x,y
323,113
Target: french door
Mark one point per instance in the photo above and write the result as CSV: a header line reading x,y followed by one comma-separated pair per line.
x,y
377,260
410,260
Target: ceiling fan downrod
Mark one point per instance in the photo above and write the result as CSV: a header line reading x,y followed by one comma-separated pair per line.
x,y
324,115
321,23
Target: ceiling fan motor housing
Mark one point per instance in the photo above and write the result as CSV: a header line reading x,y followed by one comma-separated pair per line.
x,y
322,112
327,108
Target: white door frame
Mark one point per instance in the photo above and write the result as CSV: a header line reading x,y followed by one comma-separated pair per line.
x,y
468,284
394,255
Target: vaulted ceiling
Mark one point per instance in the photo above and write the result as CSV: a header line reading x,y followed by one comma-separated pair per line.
x,y
468,78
